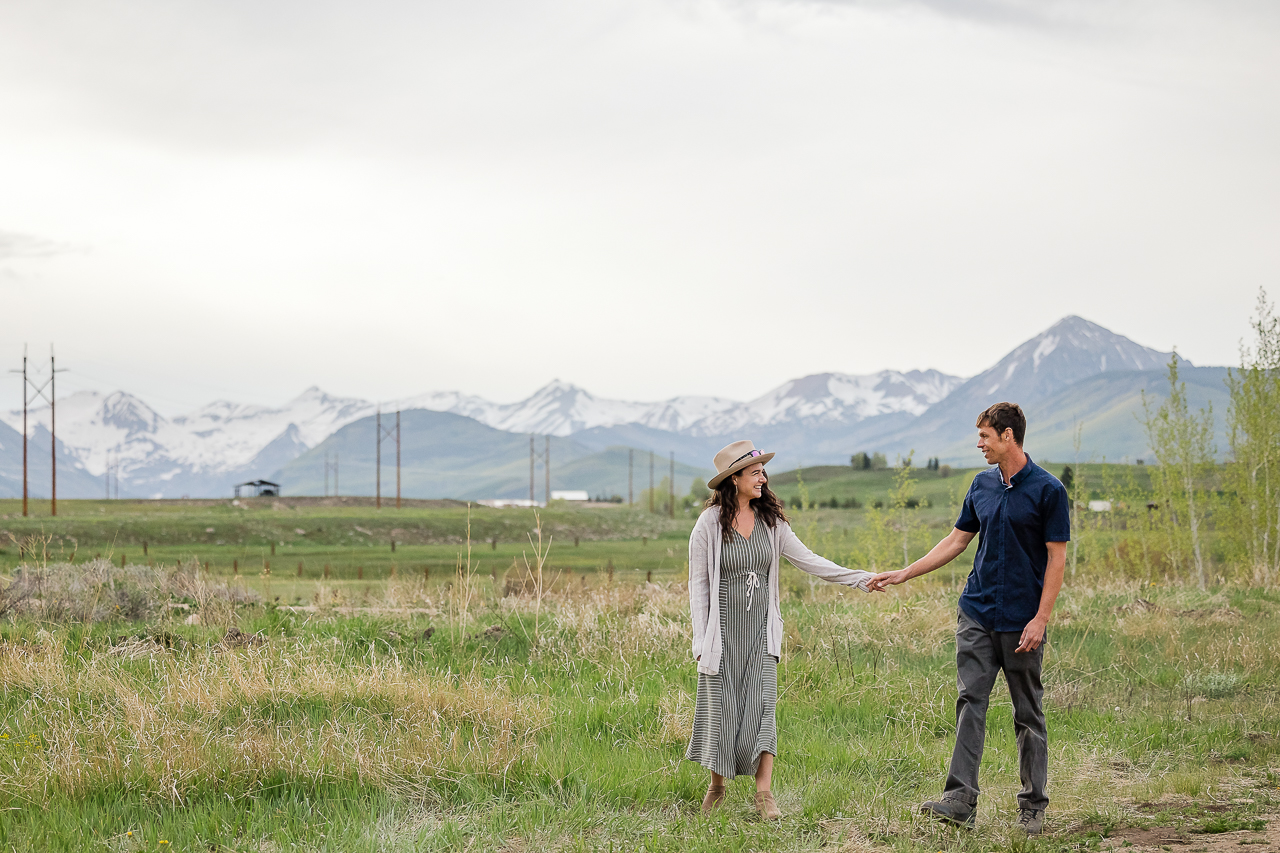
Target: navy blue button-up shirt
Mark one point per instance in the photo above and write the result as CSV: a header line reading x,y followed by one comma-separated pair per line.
x,y
1013,521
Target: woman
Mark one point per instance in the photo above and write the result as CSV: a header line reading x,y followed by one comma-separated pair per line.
x,y
737,624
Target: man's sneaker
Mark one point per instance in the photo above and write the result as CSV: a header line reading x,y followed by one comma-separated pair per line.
x,y
1031,821
955,812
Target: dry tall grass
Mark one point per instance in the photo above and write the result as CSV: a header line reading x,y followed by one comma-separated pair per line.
x,y
170,722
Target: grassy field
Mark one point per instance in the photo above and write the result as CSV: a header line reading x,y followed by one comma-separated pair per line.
x,y
941,490
161,706
349,535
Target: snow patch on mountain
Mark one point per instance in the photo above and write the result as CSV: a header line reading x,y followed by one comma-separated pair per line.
x,y
1070,350
834,397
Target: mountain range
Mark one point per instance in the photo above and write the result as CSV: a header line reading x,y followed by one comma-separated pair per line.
x,y
458,445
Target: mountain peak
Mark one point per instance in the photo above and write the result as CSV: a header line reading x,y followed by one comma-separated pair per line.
x,y
1070,350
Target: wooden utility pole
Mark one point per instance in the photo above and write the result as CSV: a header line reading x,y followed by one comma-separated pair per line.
x,y
672,506
53,435
631,464
530,469
24,428
377,477
397,463
335,473
650,481
547,468
29,393
326,473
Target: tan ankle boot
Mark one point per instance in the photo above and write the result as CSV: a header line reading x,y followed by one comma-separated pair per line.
x,y
714,798
766,806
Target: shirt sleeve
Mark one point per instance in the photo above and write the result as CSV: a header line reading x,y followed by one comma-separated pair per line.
x,y
968,520
1056,511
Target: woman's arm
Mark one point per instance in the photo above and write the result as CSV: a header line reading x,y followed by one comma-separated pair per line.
x,y
699,583
807,561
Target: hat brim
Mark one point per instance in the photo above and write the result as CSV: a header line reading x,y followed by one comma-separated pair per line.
x,y
763,459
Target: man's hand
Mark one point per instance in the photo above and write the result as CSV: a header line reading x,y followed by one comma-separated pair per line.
x,y
1032,635
886,579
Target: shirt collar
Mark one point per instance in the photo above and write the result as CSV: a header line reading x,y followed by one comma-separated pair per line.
x,y
1018,477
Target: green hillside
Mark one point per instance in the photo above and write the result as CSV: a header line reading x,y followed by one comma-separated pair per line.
x,y
1109,406
451,456
841,482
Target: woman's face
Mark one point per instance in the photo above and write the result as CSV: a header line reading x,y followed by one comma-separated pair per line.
x,y
750,481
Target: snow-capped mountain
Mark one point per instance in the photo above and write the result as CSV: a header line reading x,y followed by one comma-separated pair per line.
x,y
206,450
1068,351
834,397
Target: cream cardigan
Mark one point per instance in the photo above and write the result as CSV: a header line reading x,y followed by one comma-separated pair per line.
x,y
704,577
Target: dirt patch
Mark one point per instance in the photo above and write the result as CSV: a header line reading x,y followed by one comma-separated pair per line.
x,y
1158,838
237,639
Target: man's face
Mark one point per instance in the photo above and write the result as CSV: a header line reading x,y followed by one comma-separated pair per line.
x,y
995,447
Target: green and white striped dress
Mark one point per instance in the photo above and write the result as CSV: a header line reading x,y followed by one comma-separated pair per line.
x,y
733,723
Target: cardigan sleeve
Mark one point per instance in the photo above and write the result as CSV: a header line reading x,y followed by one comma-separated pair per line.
x,y
699,581
807,561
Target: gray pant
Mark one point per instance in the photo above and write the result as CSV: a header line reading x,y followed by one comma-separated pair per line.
x,y
980,654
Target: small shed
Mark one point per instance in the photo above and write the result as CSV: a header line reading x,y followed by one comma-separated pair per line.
x,y
259,489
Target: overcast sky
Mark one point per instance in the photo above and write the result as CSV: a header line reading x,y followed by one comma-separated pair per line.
x,y
241,199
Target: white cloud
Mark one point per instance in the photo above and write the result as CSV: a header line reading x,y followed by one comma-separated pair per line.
x,y
644,198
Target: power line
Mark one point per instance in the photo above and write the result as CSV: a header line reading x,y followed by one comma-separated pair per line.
x,y
31,392
389,432
672,485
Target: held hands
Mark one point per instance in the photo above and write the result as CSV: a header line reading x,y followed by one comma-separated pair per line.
x,y
886,579
1032,635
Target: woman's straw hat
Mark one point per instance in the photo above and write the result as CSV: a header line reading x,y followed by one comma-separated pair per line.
x,y
734,458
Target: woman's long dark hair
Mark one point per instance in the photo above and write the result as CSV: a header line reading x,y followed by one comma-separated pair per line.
x,y
768,507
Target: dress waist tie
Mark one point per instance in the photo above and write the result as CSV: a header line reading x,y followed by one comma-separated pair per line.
x,y
753,583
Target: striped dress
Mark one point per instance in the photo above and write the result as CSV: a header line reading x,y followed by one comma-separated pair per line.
x,y
733,722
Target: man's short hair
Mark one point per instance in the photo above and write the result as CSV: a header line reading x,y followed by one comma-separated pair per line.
x,y
1003,416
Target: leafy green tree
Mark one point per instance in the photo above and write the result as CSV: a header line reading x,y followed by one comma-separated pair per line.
x,y
878,462
1183,444
903,500
698,489
860,461
1254,434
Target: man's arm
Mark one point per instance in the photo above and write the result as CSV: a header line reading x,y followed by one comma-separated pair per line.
x,y
944,552
1033,634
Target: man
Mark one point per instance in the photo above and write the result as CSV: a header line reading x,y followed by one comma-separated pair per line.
x,y
1022,515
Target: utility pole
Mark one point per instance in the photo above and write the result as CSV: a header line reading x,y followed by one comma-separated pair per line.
x,y
377,477
331,466
672,505
531,454
650,481
53,436
389,432
631,464
24,428
29,393
107,475
546,459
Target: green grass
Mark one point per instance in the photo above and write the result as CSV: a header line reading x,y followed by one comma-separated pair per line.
x,y
357,733
347,537
345,727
